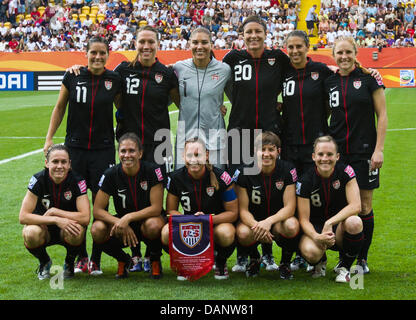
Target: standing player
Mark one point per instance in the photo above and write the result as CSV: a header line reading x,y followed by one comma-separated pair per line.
x,y
89,130
137,191
55,210
355,99
203,189
202,80
256,81
328,204
267,203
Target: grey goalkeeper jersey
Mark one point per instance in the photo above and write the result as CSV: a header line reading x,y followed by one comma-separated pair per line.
x,y
202,94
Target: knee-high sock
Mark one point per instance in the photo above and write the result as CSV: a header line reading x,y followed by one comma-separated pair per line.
x,y
368,229
97,249
154,247
351,245
71,253
82,252
289,246
40,253
113,248
135,251
250,250
224,253
267,248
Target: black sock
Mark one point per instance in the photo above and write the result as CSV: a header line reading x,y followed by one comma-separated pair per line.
x,y
135,251
147,252
113,248
289,246
252,251
267,249
154,248
351,245
368,229
164,247
82,253
241,252
40,254
71,253
97,249
224,253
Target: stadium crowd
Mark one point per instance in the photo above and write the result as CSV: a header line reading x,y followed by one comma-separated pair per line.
x,y
39,25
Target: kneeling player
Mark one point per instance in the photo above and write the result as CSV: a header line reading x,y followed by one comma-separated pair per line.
x,y
204,189
328,204
267,204
137,191
55,210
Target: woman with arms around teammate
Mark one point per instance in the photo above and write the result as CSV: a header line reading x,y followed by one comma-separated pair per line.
x,y
267,203
203,189
202,80
89,130
328,203
137,190
55,210
356,100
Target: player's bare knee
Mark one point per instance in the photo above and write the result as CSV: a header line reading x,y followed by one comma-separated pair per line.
x,y
165,235
99,231
353,225
224,234
244,235
151,228
34,236
291,227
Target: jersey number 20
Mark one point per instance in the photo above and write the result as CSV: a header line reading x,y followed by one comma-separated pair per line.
x,y
242,72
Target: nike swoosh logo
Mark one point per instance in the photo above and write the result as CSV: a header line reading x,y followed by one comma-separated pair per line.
x,y
183,192
256,187
288,78
332,89
132,75
120,191
372,180
81,82
242,61
314,191
46,195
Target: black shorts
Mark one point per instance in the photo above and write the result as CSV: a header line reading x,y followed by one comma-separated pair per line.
x,y
55,235
310,24
91,164
367,179
299,155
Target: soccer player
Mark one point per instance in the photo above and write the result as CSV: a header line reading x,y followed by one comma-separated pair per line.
x,y
357,100
328,203
136,187
267,203
256,81
55,210
202,80
89,129
201,188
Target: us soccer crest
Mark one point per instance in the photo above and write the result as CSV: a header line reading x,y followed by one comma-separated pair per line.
x,y
108,84
210,191
143,184
68,195
315,75
271,61
158,77
357,84
336,184
279,185
191,233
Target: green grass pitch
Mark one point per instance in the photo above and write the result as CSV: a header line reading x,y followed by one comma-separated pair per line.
x,y
24,119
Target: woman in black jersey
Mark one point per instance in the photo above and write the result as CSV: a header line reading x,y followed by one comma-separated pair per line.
x,y
267,203
357,100
328,203
201,188
89,130
137,190
55,210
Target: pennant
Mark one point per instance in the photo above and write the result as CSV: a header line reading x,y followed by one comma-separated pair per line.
x,y
191,245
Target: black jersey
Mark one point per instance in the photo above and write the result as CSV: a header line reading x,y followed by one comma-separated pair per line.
x,y
304,103
352,111
51,195
326,195
145,99
255,87
265,193
90,111
130,194
199,195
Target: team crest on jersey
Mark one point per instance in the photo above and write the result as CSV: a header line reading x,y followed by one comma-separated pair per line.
x,y
68,195
271,61
210,191
357,84
158,77
108,84
143,184
315,75
215,76
336,184
279,185
191,233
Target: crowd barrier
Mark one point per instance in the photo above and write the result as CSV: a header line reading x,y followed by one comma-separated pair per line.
x,y
43,71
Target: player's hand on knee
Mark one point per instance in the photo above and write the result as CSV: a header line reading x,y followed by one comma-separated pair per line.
x,y
69,226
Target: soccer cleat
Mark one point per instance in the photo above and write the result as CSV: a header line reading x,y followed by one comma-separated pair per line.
x,y
181,278
146,265
68,271
156,270
82,265
253,268
221,272
363,264
137,264
343,275
338,266
309,268
123,269
298,263
267,261
94,269
43,270
319,270
285,271
241,264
